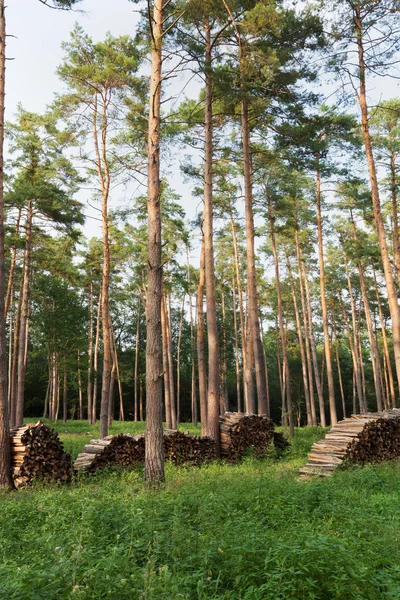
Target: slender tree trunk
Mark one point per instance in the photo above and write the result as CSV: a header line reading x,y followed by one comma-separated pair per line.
x,y
10,284
135,385
80,396
212,331
306,332
223,393
280,376
90,355
65,399
166,370
193,400
200,346
301,345
385,346
141,416
237,365
19,415
48,389
362,99
241,311
120,395
154,460
280,317
96,360
178,363
328,357
338,365
252,297
265,367
318,381
10,349
111,407
353,345
170,362
249,374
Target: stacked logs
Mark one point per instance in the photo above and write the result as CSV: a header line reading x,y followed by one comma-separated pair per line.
x,y
128,450
37,454
239,431
182,448
370,437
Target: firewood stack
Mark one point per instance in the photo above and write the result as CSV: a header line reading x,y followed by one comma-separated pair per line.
x,y
38,454
240,431
280,442
121,449
128,450
182,448
370,437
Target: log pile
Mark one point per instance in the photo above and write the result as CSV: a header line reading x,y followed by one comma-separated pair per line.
x,y
371,437
38,454
280,442
182,448
128,450
239,431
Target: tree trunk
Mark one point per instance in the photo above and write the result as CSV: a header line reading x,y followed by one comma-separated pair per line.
x,y
19,413
170,361
392,394
90,355
200,346
193,400
178,362
237,365
252,299
286,372
327,346
318,382
80,397
212,331
65,405
223,392
301,345
166,370
154,459
5,450
96,360
362,99
241,311
135,385
10,284
338,365
306,331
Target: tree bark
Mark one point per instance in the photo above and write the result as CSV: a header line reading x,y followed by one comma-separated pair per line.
x,y
19,413
90,355
362,99
286,372
212,330
252,298
200,346
5,450
327,346
154,450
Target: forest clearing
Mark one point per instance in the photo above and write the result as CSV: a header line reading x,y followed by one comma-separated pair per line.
x,y
249,531
199,299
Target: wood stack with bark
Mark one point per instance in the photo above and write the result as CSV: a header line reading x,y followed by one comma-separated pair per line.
x,y
182,448
239,431
370,437
128,450
280,442
38,454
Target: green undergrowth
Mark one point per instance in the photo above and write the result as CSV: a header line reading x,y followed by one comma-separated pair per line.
x,y
250,531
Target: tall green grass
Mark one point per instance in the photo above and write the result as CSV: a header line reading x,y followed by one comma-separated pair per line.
x,y
250,531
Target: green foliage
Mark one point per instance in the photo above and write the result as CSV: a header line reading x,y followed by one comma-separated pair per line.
x,y
246,532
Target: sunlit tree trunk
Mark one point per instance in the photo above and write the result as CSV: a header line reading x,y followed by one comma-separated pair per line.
x,y
200,346
327,346
154,459
392,394
5,451
390,287
212,330
19,413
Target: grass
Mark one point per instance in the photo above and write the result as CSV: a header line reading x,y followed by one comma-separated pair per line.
x,y
250,531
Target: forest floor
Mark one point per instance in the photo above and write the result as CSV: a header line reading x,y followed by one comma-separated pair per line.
x,y
251,531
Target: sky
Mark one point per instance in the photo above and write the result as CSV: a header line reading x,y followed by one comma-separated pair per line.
x,y
34,53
